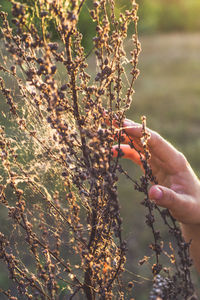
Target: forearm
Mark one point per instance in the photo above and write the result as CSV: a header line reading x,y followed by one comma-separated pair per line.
x,y
192,233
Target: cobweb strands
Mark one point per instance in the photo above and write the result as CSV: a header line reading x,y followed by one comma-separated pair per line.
x,y
58,189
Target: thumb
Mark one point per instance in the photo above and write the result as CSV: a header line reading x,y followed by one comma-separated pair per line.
x,y
165,197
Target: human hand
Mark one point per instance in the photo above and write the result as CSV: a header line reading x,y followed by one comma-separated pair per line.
x,y
178,187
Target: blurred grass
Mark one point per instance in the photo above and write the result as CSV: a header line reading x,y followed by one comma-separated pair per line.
x,y
168,93
168,16
168,90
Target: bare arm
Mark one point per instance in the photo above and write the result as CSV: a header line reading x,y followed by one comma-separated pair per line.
x,y
178,187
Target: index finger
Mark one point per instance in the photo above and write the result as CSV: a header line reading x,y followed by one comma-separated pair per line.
x,y
158,146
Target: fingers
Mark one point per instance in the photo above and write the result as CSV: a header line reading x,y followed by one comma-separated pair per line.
x,y
134,130
159,147
125,139
127,152
166,197
161,151
182,206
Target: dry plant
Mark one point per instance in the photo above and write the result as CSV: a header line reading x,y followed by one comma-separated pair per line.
x,y
63,237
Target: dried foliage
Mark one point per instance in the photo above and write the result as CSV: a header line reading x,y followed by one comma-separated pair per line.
x,y
59,178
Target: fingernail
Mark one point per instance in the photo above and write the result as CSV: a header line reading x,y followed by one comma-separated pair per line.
x,y
157,194
128,122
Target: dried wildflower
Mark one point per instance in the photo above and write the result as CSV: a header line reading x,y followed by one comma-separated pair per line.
x,y
59,179
58,166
